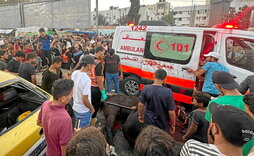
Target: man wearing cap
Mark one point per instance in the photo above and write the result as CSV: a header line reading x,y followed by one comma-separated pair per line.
x,y
247,84
230,129
112,69
211,66
226,84
83,109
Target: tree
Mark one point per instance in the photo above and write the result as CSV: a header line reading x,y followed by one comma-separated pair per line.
x,y
101,20
133,14
169,18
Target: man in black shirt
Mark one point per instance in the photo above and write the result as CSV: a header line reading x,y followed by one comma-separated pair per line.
x,y
160,105
4,47
13,65
56,49
52,74
132,127
27,70
3,57
98,92
112,68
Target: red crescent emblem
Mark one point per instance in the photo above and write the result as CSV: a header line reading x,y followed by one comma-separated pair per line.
x,y
157,45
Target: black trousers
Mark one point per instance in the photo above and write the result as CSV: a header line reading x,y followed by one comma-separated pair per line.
x,y
46,54
66,65
96,99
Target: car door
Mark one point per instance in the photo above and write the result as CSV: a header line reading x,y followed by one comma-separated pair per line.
x,y
237,54
173,49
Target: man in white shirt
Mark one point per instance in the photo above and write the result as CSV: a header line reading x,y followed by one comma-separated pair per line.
x,y
83,109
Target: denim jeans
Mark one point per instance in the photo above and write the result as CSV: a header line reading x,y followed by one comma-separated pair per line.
x,y
84,118
115,79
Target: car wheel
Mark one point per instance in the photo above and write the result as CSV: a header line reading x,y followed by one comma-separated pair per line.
x,y
131,85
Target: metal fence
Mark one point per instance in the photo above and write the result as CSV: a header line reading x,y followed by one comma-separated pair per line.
x,y
61,14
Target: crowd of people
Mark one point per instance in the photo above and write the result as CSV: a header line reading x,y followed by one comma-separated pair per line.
x,y
221,124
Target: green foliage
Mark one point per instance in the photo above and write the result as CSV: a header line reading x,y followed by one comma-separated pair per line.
x,y
169,18
133,14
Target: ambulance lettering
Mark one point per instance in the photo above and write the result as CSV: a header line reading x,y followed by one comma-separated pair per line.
x,y
132,49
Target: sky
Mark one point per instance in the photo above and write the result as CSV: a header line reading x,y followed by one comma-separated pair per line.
x,y
105,4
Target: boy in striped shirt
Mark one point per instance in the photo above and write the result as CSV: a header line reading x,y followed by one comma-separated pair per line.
x,y
230,129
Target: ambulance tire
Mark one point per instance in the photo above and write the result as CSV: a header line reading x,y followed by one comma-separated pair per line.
x,y
130,86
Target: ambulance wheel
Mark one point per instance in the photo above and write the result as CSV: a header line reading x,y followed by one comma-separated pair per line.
x,y
130,86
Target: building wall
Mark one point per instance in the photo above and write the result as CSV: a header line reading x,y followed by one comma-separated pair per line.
x,y
64,14
238,4
219,8
158,10
114,15
192,15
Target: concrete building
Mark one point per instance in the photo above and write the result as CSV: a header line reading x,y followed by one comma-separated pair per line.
x,y
197,16
207,2
219,8
114,15
238,4
158,10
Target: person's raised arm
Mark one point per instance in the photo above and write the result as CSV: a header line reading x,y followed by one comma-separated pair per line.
x,y
198,72
141,112
172,116
192,129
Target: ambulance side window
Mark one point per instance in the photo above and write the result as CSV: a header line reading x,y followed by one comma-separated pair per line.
x,y
240,52
175,48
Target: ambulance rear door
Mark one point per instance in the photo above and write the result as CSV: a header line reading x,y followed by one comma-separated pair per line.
x,y
173,49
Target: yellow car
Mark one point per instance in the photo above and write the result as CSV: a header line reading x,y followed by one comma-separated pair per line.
x,y
20,102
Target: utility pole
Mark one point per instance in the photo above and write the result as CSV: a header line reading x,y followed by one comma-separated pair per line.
x,y
20,13
97,17
192,15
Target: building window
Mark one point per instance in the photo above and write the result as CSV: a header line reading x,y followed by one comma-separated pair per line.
x,y
179,19
180,12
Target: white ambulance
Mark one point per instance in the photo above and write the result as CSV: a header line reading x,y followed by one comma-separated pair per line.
x,y
144,49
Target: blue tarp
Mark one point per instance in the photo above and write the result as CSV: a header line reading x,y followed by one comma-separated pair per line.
x,y
83,32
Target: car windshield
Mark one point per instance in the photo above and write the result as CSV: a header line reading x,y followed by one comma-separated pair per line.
x,y
17,101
